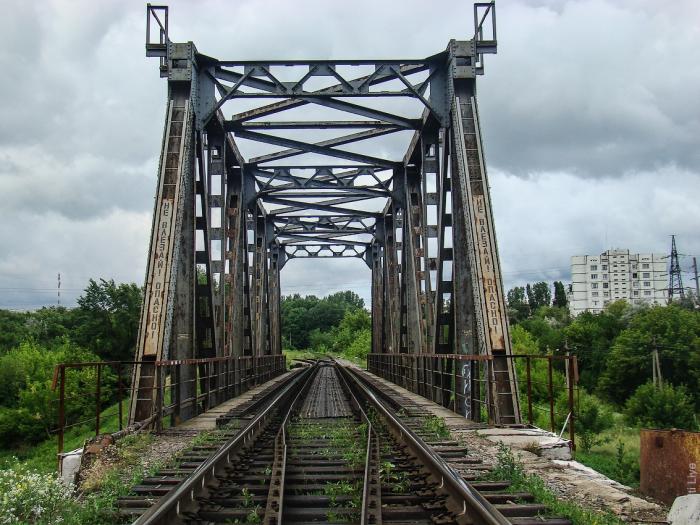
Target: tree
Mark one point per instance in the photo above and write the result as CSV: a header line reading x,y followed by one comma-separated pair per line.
x,y
559,295
660,407
672,331
532,303
593,416
541,295
354,323
108,319
28,404
302,315
590,336
13,329
518,308
547,326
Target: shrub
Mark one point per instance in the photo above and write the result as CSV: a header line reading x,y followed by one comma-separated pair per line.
x,y
593,416
361,346
29,497
28,406
660,407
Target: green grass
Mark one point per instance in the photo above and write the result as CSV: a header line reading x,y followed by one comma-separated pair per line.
x,y
42,457
300,354
96,504
310,354
617,456
509,467
436,428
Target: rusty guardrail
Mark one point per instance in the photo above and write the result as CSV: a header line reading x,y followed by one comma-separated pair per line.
x,y
216,379
461,383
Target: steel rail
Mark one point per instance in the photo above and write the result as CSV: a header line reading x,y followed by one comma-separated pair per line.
x,y
169,507
372,438
273,513
470,506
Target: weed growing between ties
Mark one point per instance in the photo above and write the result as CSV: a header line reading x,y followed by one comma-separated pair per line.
x,y
398,480
344,500
511,468
344,439
436,428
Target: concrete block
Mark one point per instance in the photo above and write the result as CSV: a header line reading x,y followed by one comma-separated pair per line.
x,y
685,510
70,465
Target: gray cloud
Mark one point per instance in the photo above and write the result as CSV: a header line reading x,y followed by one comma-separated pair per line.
x,y
590,112
544,220
594,88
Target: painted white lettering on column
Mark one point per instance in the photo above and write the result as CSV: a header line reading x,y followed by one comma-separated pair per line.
x,y
489,280
158,278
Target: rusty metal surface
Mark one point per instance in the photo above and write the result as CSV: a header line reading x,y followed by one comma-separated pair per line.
x,y
668,463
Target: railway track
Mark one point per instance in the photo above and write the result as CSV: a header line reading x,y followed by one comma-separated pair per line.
x,y
331,445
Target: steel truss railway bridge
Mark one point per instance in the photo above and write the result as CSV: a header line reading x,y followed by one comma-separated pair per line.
x,y
323,183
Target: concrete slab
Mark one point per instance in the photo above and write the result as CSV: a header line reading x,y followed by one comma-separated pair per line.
x,y
70,465
685,510
543,442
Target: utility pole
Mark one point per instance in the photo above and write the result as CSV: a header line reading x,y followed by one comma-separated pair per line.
x,y
656,366
58,288
675,279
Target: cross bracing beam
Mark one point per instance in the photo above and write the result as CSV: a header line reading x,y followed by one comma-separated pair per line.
x,y
297,147
299,251
278,179
422,223
277,107
300,240
301,124
331,222
330,206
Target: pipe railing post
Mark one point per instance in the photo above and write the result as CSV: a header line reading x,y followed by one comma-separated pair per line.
x,y
98,394
61,410
572,434
529,390
159,399
550,389
120,394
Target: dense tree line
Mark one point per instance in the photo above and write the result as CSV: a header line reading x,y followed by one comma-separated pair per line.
x,y
337,324
615,350
302,315
102,327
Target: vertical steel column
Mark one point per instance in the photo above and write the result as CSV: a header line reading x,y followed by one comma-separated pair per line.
x,y
237,318
259,288
205,332
392,316
378,280
474,220
216,161
429,173
274,297
412,297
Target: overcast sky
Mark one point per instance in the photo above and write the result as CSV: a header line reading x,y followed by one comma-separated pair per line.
x,y
590,109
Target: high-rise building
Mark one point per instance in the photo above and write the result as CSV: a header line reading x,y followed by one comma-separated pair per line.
x,y
597,280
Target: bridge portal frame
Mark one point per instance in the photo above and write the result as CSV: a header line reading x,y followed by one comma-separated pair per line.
x,y
224,225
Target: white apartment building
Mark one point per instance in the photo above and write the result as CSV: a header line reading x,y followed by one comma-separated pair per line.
x,y
616,274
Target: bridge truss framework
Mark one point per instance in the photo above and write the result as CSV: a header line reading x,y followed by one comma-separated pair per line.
x,y
225,225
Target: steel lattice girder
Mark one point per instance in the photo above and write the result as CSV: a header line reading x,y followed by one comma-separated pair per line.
x,y
422,222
